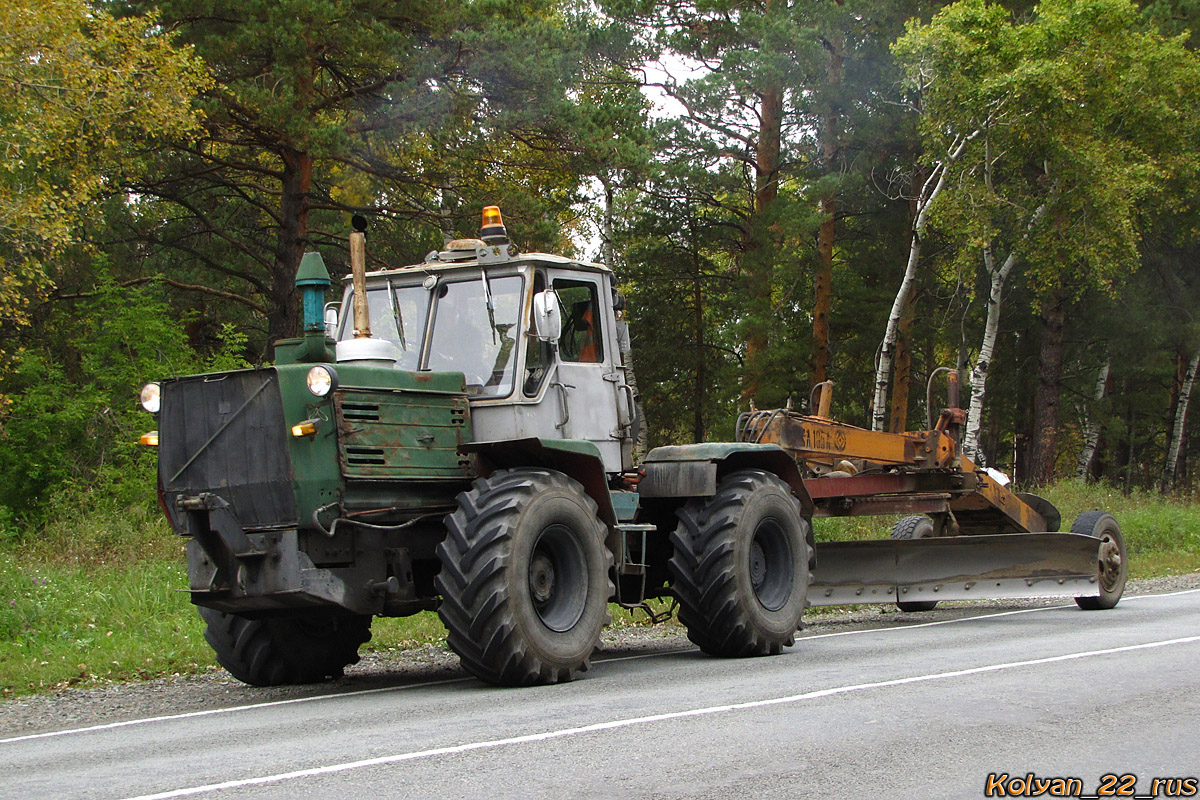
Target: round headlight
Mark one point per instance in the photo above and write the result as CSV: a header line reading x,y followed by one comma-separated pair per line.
x,y
321,381
151,397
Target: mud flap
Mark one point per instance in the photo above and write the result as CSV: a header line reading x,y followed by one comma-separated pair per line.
x,y
955,568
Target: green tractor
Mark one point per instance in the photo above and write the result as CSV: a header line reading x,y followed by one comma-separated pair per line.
x,y
459,435
462,440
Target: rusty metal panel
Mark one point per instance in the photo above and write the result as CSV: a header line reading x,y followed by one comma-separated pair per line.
x,y
391,435
810,439
1014,514
868,485
886,504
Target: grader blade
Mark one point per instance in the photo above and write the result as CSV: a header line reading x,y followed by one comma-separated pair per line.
x,y
956,568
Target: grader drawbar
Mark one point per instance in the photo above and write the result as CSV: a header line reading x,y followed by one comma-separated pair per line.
x,y
459,435
963,536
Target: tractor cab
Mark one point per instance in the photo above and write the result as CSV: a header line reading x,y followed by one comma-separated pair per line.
x,y
534,336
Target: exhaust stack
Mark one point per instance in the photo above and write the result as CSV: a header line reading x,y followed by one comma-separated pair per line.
x,y
358,273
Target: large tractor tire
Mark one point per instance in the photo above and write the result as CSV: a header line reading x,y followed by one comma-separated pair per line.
x,y
740,569
304,648
525,578
917,526
1112,561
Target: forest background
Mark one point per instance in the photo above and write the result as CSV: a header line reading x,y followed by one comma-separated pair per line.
x,y
789,191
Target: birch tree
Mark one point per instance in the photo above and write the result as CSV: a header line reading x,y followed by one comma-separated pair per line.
x,y
1175,445
1091,430
930,189
1084,112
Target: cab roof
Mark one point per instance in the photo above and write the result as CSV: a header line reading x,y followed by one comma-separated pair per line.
x,y
444,267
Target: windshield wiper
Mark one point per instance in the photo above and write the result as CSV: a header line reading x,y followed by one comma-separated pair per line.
x,y
394,302
491,304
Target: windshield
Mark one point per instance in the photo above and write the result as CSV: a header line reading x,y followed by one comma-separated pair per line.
x,y
475,328
478,341
397,313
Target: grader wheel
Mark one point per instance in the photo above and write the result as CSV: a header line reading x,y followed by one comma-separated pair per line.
x,y
916,526
1112,562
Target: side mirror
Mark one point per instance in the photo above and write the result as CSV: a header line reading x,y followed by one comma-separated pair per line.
x,y
331,320
547,318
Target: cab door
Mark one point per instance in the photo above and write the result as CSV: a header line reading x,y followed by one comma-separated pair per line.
x,y
590,388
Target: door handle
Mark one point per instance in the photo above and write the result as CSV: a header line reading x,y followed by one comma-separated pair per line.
x,y
566,409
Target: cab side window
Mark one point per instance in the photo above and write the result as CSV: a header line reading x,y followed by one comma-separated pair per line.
x,y
539,355
582,338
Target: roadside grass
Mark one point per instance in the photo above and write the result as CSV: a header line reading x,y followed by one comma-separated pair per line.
x,y
95,598
97,595
1162,533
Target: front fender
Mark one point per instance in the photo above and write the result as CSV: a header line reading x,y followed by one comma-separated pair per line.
x,y
576,458
693,470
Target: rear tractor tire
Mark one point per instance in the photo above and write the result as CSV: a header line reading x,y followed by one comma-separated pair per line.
x,y
1112,560
740,569
917,526
303,648
525,578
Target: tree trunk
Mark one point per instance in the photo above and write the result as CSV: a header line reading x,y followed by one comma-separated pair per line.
x,y
898,421
1175,446
760,261
983,361
284,317
823,277
606,227
1091,431
445,210
1046,396
931,187
1131,451
823,291
991,329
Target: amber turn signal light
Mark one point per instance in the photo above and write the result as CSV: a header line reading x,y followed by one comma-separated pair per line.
x,y
306,428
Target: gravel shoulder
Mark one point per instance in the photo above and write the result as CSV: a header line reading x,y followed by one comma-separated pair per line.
x,y
71,708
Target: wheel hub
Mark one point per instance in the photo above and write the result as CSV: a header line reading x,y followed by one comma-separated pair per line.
x,y
758,565
541,578
558,579
1110,563
771,573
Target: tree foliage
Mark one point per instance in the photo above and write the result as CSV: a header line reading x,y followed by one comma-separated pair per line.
x,y
1073,119
82,97
167,164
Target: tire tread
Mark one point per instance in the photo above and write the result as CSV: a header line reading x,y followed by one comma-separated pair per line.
x,y
274,651
704,573
475,604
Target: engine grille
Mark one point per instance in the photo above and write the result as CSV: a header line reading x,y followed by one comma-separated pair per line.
x,y
226,434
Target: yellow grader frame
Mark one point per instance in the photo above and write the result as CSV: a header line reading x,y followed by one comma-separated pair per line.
x,y
981,541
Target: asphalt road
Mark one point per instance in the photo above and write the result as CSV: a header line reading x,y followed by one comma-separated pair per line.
x,y
909,709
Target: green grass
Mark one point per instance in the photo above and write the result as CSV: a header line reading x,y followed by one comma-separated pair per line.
x,y
1162,533
94,600
97,595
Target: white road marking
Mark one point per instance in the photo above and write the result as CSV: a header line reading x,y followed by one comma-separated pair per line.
x,y
363,692
910,626
1163,594
646,720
